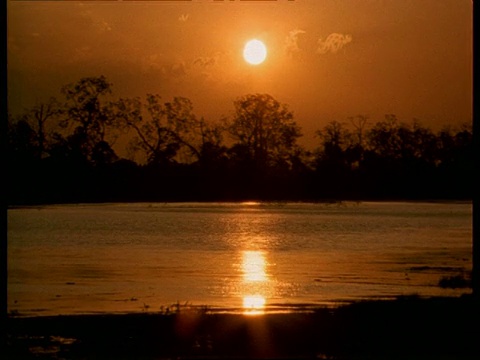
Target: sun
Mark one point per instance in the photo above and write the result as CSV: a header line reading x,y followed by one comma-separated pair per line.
x,y
254,52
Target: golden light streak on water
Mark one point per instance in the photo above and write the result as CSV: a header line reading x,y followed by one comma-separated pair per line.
x,y
255,278
254,266
254,304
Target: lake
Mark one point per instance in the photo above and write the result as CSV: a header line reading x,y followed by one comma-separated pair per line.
x,y
233,257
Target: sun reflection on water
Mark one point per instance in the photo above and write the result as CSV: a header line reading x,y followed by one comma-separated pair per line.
x,y
254,266
254,304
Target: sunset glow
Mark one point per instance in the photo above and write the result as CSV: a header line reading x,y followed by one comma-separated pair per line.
x,y
232,178
328,60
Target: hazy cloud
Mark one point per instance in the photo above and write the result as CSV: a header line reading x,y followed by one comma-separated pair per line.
x,y
183,17
174,70
82,53
102,25
207,67
205,61
152,61
93,18
203,65
333,43
291,41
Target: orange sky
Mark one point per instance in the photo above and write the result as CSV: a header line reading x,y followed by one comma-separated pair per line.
x,y
327,59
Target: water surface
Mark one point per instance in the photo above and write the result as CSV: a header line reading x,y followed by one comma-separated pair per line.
x,y
248,257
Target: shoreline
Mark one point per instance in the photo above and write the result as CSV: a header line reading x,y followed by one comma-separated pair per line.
x,y
408,327
210,309
460,201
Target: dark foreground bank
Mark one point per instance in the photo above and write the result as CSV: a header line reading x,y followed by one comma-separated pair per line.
x,y
406,328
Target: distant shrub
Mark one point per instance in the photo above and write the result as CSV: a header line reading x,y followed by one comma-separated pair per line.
x,y
454,282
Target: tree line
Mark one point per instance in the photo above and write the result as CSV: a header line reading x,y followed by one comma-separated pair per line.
x,y
63,150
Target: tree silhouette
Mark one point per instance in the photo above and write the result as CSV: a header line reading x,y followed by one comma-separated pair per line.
x,y
161,129
264,131
70,146
21,142
359,122
39,118
332,164
90,119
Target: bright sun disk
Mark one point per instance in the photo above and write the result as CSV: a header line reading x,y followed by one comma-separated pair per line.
x,y
255,52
